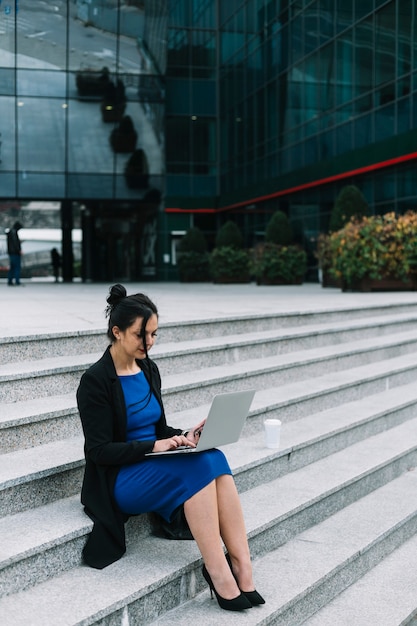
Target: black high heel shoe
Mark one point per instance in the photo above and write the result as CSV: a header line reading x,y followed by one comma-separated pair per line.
x,y
254,597
236,604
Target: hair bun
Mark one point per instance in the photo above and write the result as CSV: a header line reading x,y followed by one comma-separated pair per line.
x,y
116,293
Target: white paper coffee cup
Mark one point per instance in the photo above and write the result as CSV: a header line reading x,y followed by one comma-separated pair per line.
x,y
272,433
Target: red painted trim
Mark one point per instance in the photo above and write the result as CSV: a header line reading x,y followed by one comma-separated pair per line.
x,y
315,183
179,210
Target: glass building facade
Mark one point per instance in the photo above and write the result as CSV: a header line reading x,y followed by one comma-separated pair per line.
x,y
240,108
82,119
309,96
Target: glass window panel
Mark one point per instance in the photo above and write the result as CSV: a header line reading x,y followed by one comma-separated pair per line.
x,y
385,186
8,27
344,68
8,135
344,15
385,44
407,181
47,83
178,146
203,99
405,21
303,30
7,81
384,122
178,96
403,115
46,186
363,131
41,134
326,20
327,78
203,49
385,95
41,39
92,39
8,184
86,129
311,151
344,138
362,8
327,144
364,57
414,110
89,186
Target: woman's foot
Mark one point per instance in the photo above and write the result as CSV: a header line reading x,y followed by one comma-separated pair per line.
x,y
245,583
237,603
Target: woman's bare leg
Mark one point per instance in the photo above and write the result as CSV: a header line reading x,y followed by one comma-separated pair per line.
x,y
202,515
233,530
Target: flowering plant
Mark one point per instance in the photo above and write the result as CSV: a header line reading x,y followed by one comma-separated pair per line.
x,y
375,247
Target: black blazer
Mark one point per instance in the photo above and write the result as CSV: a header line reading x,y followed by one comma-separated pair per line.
x,y
102,410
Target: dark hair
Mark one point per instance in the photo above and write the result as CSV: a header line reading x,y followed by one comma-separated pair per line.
x,y
123,310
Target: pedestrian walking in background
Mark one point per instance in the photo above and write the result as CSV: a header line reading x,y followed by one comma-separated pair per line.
x,y
14,250
56,263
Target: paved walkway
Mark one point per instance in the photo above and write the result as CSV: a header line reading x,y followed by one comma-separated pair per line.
x,y
46,307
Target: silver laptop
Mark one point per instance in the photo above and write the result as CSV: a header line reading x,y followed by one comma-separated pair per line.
x,y
224,422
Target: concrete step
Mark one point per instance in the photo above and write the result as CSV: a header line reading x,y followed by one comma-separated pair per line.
x,y
275,511
44,473
30,423
385,596
343,383
309,571
41,420
297,578
35,346
61,375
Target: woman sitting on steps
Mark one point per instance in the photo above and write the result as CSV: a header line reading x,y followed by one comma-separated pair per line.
x,y
122,414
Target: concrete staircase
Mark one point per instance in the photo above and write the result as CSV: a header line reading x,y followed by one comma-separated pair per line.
x,y
331,515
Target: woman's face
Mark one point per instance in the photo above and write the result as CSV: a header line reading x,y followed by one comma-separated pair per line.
x,y
130,340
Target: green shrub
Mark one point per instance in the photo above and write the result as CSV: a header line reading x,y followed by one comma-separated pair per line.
x,y
193,241
229,235
349,203
229,264
193,259
276,264
279,230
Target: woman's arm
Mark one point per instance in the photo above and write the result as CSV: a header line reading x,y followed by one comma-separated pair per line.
x,y
103,418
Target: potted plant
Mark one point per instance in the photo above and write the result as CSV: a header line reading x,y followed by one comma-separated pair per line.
x,y
279,265
229,262
324,258
113,104
137,170
92,83
123,138
193,259
376,253
349,203
278,261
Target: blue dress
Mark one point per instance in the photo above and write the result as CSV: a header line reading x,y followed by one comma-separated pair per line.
x,y
160,484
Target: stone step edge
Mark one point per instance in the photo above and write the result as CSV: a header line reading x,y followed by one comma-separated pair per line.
x,y
370,600
293,577
271,400
166,350
358,312
309,571
79,363
35,463
261,512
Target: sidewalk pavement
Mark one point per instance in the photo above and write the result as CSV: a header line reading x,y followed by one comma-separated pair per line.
x,y
44,307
